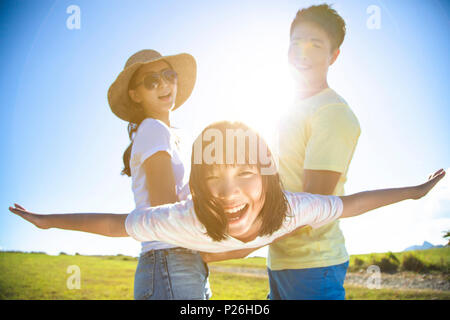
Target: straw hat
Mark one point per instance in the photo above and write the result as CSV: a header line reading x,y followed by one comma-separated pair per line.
x,y
184,64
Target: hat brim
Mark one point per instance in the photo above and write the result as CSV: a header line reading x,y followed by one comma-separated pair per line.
x,y
119,101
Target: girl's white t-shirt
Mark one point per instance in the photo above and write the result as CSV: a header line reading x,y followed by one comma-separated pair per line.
x,y
178,224
151,137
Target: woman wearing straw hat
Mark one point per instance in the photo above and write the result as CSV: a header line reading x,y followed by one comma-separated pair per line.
x,y
146,91
144,94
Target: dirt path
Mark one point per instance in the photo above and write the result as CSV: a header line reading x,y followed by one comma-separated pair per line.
x,y
400,280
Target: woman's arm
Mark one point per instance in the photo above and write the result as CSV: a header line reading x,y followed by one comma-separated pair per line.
x,y
110,225
160,179
362,202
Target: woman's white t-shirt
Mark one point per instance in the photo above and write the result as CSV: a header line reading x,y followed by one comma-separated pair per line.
x,y
151,137
178,224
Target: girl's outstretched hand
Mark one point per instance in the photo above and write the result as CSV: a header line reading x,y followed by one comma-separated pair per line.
x,y
34,218
424,188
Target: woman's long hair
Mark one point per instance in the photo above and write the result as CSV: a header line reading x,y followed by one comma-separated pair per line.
x,y
209,211
132,129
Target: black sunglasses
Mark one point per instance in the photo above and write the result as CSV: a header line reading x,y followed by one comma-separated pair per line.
x,y
152,80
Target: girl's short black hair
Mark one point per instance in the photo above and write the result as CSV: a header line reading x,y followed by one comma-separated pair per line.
x,y
210,213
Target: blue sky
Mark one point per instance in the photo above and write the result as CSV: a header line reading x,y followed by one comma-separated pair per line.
x,y
63,146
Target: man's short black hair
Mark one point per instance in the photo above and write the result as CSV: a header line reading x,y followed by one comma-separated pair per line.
x,y
325,17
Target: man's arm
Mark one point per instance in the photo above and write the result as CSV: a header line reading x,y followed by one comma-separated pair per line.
x,y
320,181
228,255
334,134
237,254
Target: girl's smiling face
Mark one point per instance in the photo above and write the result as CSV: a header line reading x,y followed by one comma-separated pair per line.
x,y
232,193
239,191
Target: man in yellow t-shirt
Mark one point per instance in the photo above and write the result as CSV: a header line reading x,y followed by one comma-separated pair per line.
x,y
317,139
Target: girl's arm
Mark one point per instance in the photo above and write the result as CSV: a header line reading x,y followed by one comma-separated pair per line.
x,y
110,225
362,202
160,181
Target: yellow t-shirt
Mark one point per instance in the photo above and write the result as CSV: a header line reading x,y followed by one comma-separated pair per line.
x,y
317,133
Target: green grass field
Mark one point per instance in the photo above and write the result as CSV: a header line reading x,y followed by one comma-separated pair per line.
x,y
436,259
41,276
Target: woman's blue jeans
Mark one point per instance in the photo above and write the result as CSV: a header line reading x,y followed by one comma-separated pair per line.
x,y
171,274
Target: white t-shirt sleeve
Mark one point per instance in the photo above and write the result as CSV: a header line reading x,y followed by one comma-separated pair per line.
x,y
184,192
151,137
314,210
174,223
